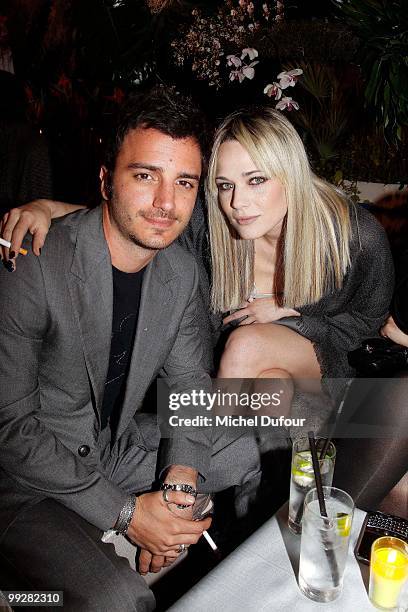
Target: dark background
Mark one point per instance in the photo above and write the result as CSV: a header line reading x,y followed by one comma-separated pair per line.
x,y
76,60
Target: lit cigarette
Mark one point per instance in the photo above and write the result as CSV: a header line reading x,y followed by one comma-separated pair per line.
x,y
7,244
210,540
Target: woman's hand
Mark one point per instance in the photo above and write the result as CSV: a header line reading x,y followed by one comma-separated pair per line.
x,y
35,218
260,310
391,330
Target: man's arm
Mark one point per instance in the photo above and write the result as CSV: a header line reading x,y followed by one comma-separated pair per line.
x,y
187,368
30,452
34,456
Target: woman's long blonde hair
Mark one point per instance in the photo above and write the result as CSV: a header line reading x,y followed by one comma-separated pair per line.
x,y
317,229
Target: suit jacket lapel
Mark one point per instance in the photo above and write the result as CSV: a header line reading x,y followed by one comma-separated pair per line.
x,y
91,290
160,287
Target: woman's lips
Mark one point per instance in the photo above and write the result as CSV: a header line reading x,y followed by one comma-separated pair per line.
x,y
246,220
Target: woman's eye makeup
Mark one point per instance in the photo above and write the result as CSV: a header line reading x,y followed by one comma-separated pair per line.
x,y
254,180
224,186
257,180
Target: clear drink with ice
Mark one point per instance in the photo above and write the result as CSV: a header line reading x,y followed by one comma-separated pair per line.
x,y
324,544
302,477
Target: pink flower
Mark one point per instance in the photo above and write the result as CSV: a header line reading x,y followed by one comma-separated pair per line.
x,y
250,52
233,60
289,78
242,69
273,91
249,71
244,72
287,104
236,75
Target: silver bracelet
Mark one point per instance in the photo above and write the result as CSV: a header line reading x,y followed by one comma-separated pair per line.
x,y
125,516
185,488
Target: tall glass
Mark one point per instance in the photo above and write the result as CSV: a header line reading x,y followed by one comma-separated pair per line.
x,y
324,544
302,477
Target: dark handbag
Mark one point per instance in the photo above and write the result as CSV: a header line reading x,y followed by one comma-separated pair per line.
x,y
379,357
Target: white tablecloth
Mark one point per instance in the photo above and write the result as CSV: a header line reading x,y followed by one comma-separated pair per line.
x,y
262,575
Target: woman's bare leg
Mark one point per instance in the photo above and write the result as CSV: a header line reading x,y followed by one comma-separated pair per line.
x,y
276,381
252,350
264,352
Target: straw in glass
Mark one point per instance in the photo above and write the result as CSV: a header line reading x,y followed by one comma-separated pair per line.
x,y
322,505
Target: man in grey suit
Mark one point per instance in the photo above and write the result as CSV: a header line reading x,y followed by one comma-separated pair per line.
x,y
111,303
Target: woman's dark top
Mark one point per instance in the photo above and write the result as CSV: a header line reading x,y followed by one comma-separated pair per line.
x,y
338,322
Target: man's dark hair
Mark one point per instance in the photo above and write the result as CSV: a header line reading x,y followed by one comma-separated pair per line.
x,y
162,109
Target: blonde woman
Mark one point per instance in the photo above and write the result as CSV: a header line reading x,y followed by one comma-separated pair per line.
x,y
305,274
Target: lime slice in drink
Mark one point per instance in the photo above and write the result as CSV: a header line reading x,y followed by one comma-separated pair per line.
x,y
343,523
302,469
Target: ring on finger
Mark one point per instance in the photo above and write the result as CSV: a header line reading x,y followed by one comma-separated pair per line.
x,y
165,493
181,548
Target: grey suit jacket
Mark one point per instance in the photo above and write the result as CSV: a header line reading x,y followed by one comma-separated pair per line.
x,y
55,331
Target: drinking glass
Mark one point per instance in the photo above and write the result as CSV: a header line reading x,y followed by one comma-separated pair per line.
x,y
202,507
388,572
302,476
324,544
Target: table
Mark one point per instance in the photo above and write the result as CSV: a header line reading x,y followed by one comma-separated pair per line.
x,y
261,575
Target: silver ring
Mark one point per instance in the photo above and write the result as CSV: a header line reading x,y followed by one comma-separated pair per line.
x,y
181,548
166,496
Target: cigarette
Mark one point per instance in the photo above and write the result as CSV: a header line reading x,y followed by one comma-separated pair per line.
x,y
210,540
7,244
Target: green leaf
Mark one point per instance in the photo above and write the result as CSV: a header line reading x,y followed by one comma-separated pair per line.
x,y
373,83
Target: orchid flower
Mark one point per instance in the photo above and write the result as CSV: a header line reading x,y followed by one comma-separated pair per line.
x,y
289,78
287,103
233,60
242,69
249,71
236,75
250,52
273,91
245,72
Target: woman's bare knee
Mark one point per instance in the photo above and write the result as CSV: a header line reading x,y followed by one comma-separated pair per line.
x,y
276,382
253,349
241,354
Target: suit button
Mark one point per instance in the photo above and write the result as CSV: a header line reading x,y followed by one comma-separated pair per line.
x,y
84,450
